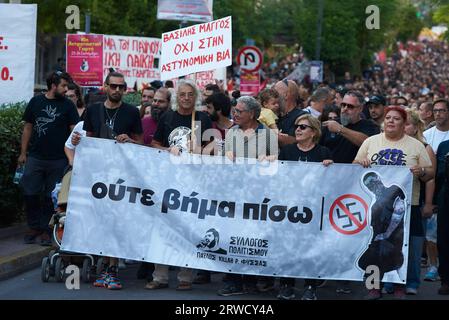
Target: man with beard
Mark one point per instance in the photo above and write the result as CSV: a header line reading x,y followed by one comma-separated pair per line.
x,y
49,120
352,131
174,129
161,102
376,107
288,97
211,242
218,106
344,139
119,121
174,134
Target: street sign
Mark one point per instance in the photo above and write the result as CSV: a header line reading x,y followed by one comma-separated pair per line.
x,y
250,59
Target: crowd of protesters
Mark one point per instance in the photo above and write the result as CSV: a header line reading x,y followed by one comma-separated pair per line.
x,y
401,103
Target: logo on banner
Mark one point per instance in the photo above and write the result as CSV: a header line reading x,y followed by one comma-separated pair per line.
x,y
348,214
211,242
84,66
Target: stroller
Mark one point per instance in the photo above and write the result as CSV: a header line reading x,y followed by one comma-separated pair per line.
x,y
55,264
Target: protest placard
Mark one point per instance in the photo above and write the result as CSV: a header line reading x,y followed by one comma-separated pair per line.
x,y
192,10
136,58
196,48
17,51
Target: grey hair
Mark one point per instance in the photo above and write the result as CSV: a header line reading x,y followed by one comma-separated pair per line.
x,y
251,104
174,96
358,95
320,94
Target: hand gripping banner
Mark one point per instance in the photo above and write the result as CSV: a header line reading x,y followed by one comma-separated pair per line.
x,y
289,219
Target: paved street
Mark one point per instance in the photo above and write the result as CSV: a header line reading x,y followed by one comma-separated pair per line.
x,y
28,286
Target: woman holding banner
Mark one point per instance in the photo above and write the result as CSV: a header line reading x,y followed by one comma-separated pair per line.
x,y
395,147
308,134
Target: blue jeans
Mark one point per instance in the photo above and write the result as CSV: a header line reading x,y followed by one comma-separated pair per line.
x,y
414,264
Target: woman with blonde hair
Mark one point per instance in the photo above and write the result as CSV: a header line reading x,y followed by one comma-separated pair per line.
x,y
307,149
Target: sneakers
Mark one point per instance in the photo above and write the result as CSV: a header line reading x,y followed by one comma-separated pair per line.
x,y
101,280
202,278
31,235
231,290
399,292
112,282
184,286
373,294
444,289
286,293
432,274
309,294
153,285
411,291
108,279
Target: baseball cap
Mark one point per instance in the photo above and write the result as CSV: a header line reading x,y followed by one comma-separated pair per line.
x,y
377,99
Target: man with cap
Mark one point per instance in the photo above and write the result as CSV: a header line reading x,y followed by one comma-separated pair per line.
x,y
376,105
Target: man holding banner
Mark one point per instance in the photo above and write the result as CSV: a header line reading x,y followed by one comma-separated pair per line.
x,y
116,120
176,132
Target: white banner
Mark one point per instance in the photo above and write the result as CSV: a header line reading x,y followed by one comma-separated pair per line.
x,y
197,48
189,10
17,51
295,219
135,57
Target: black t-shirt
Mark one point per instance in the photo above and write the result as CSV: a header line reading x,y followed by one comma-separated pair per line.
x,y
287,123
123,120
291,152
343,150
51,119
174,129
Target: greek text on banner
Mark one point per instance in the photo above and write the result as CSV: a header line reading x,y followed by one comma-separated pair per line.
x,y
302,220
196,48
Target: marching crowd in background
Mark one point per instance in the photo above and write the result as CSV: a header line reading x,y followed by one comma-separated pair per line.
x,y
397,113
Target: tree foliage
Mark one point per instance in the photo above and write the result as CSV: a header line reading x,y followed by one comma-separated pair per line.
x,y
346,42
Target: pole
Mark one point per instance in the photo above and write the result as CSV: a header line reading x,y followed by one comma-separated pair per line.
x,y
319,29
87,20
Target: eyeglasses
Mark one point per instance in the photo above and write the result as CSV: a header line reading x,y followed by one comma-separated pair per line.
x,y
187,95
439,110
114,86
347,105
238,112
302,126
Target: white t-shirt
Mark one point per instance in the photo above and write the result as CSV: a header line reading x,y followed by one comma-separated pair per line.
x,y
313,112
78,128
434,137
